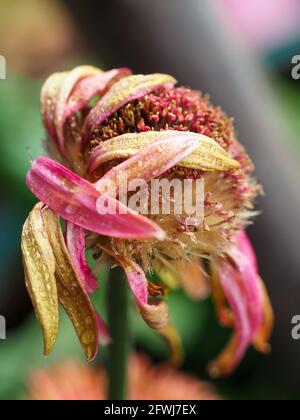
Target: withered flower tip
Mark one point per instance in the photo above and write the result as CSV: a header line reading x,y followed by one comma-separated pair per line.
x,y
101,126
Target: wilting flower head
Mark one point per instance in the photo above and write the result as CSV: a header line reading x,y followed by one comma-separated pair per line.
x,y
75,381
105,126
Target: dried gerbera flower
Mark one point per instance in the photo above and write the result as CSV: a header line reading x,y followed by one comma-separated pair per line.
x,y
101,128
74,381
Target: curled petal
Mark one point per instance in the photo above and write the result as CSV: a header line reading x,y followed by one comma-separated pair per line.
x,y
75,199
71,293
136,278
75,239
155,315
208,155
39,266
123,92
91,86
49,96
230,358
66,88
151,161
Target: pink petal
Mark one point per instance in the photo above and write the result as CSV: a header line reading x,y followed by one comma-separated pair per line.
x,y
248,299
89,87
245,247
234,293
70,81
64,94
136,279
104,335
123,92
75,200
245,259
75,239
49,97
156,159
156,315
209,156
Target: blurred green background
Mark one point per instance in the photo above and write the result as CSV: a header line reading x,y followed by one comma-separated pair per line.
x,y
38,38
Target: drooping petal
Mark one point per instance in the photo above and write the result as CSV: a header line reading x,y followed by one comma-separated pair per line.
x,y
262,338
193,280
104,335
39,266
151,161
75,239
89,87
71,293
245,260
208,156
173,340
123,92
223,312
156,315
253,318
232,355
75,199
136,278
244,245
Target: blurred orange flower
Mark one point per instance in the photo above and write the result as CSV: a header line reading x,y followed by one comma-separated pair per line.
x,y
72,380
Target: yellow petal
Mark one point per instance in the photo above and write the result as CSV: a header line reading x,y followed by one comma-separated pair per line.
x,y
209,156
173,340
39,267
261,341
224,314
155,315
70,290
166,275
121,93
222,366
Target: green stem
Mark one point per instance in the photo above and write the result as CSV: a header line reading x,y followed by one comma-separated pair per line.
x,y
118,322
